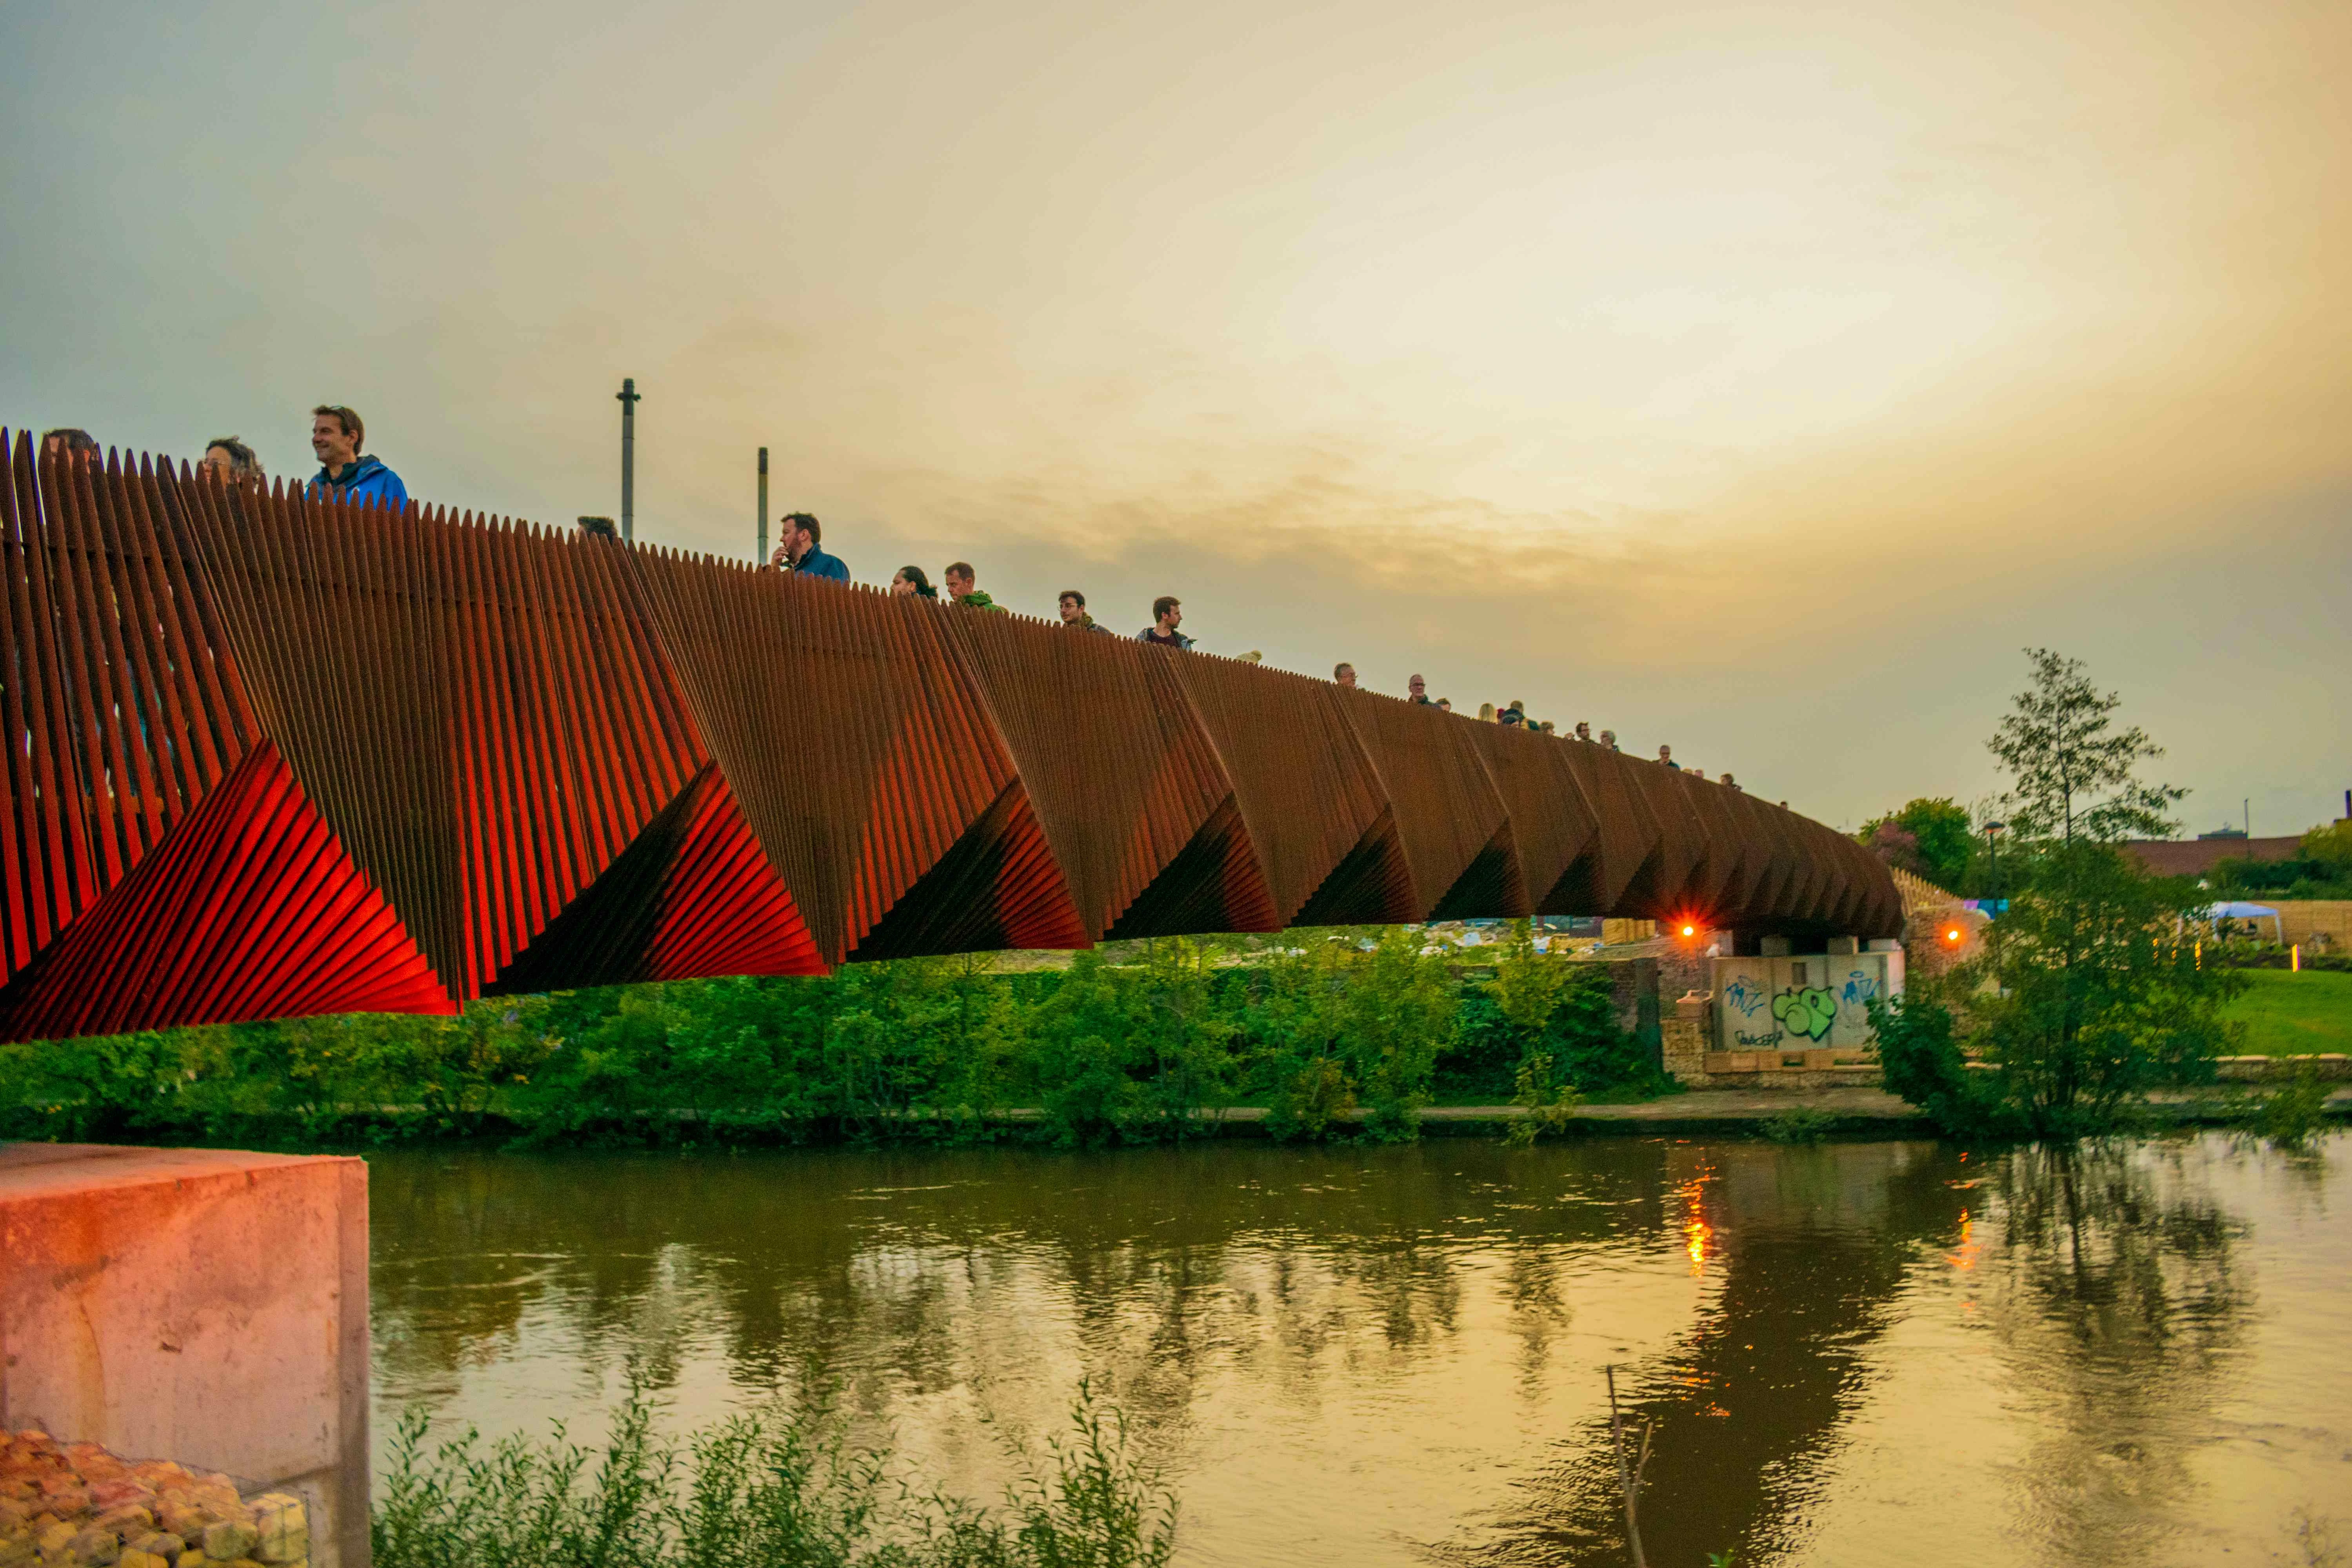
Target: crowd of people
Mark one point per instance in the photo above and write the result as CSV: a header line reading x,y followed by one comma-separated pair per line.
x,y
338,438
348,472
800,550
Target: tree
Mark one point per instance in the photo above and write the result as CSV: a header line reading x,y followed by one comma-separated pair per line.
x,y
1930,837
1896,845
2087,995
2089,999
2331,846
2076,778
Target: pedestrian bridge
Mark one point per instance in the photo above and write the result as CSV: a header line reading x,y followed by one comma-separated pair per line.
x,y
271,756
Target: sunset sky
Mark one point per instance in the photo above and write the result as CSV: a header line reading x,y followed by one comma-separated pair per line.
x,y
1755,378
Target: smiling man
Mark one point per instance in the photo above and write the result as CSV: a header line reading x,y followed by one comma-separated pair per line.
x,y
337,436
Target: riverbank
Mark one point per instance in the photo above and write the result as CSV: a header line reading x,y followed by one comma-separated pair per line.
x,y
1736,1113
1714,1113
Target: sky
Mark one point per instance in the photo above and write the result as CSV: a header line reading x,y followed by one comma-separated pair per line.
x,y
1755,378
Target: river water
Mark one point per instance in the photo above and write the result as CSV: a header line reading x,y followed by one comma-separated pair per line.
x,y
1855,1354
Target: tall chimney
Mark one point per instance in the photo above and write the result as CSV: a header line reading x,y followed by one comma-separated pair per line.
x,y
629,399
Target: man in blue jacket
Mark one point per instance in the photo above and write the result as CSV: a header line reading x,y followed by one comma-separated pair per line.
x,y
337,433
800,550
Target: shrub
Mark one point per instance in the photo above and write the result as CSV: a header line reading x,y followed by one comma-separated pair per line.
x,y
1130,1043
1537,1006
1800,1124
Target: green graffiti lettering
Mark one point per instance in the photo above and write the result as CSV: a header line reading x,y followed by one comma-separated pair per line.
x,y
1808,1013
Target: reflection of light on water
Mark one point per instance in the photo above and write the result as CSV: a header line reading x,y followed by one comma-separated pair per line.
x,y
1964,1256
1697,1232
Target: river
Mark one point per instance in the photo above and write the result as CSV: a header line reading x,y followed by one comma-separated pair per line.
x,y
1855,1354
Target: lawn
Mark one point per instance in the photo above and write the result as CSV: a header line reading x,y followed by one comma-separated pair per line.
x,y
2288,1015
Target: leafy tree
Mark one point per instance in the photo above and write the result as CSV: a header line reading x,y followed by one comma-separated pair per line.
x,y
1338,1025
1891,843
1930,838
2075,776
2089,1000
1133,1051
2086,996
2331,846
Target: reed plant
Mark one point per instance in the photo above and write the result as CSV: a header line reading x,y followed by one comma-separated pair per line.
x,y
779,1489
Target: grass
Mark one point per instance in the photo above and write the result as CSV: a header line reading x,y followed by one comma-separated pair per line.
x,y
778,1490
2288,1015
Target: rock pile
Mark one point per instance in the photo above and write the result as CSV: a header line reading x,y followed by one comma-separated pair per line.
x,y
74,1505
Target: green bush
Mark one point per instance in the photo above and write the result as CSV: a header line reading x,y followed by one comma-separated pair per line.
x,y
1344,1031
1537,1006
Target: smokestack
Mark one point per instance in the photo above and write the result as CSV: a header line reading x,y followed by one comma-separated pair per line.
x,y
629,399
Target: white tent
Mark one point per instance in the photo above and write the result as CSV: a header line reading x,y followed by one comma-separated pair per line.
x,y
2216,913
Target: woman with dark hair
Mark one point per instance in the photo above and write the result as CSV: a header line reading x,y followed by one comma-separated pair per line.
x,y
229,458
911,582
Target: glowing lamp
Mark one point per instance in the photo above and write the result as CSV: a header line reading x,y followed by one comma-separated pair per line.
x,y
1953,934
1690,930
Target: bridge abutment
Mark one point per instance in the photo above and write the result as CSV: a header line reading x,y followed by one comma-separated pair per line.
x,y
204,1306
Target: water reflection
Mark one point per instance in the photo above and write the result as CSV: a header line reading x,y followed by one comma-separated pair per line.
x,y
1811,1247
1353,1356
2118,1303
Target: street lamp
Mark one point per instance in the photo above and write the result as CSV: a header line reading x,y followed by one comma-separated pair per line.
x,y
1993,831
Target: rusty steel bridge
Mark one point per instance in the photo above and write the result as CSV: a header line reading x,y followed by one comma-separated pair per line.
x,y
270,755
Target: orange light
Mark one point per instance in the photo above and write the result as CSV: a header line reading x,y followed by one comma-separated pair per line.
x,y
1952,935
1690,930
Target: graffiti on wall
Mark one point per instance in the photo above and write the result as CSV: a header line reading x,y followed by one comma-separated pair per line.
x,y
1806,1011
1814,1000
1744,996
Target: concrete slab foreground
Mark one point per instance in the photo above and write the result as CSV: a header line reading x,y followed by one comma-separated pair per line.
x,y
203,1305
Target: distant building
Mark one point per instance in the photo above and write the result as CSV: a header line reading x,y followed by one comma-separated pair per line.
x,y
2197,856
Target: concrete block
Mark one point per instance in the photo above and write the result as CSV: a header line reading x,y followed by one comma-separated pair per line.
x,y
204,1306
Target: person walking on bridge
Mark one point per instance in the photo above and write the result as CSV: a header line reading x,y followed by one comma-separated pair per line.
x,y
1420,693
1345,674
231,462
1666,759
66,441
800,548
1167,615
339,439
1074,614
963,588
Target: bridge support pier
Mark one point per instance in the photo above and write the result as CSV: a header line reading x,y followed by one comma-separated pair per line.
x,y
202,1305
